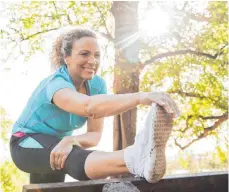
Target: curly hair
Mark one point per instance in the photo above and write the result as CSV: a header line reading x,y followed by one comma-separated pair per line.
x,y
62,46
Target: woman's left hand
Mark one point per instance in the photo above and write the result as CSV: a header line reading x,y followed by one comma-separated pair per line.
x,y
60,153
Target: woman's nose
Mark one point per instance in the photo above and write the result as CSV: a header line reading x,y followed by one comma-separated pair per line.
x,y
92,60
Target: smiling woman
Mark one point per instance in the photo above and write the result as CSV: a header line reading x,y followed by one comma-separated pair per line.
x,y
42,143
84,60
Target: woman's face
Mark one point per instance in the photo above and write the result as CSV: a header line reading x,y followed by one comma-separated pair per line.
x,y
85,58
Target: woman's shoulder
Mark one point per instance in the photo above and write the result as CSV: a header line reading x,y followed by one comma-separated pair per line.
x,y
97,80
55,78
59,74
97,85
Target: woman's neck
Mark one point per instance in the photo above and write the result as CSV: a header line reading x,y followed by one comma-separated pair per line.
x,y
77,81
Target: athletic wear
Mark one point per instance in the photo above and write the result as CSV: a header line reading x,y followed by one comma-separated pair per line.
x,y
36,161
42,116
146,157
42,125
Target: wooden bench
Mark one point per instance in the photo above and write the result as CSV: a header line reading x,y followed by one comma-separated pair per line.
x,y
201,182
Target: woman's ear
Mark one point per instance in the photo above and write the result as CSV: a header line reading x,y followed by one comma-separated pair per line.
x,y
65,60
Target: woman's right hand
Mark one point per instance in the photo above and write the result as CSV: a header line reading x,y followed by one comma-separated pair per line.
x,y
162,99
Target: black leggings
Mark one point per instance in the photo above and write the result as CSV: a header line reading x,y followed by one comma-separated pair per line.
x,y
36,161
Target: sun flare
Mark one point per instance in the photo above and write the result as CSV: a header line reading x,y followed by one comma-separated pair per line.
x,y
154,23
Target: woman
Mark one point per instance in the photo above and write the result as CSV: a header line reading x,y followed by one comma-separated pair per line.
x,y
41,142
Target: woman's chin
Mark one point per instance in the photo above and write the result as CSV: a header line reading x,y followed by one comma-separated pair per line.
x,y
88,77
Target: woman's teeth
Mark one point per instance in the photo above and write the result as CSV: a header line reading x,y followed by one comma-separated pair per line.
x,y
89,69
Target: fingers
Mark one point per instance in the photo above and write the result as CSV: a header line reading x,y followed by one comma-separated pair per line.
x,y
164,100
52,160
166,105
54,157
58,158
172,107
157,98
63,161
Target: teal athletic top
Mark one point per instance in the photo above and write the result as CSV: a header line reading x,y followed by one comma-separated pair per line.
x,y
42,116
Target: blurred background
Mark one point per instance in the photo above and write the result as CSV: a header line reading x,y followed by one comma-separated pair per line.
x,y
179,47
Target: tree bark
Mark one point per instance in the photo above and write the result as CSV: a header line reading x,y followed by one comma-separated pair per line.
x,y
126,75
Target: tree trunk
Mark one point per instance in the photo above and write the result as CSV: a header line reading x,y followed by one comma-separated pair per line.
x,y
126,79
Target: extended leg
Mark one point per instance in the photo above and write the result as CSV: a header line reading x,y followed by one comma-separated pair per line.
x,y
103,164
146,158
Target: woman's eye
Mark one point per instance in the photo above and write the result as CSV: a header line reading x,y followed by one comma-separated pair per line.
x,y
97,56
85,54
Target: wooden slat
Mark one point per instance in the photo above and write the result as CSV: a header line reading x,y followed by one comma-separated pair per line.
x,y
209,182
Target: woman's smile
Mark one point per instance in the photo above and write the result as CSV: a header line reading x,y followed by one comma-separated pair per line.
x,y
89,69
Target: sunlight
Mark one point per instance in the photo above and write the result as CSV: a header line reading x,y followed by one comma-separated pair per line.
x,y
154,23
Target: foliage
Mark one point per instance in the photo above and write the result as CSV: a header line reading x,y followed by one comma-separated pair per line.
x,y
26,31
193,69
193,163
190,61
5,124
12,179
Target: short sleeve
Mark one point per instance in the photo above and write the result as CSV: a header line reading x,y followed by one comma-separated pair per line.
x,y
55,85
103,89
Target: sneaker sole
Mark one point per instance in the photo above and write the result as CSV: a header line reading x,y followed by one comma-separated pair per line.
x,y
162,123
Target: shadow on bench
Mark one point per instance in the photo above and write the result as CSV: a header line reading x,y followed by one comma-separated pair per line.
x,y
201,182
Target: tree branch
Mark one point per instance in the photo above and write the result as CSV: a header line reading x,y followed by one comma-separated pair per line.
x,y
222,118
202,117
210,117
182,93
54,4
108,35
184,52
35,34
69,19
199,17
105,35
186,126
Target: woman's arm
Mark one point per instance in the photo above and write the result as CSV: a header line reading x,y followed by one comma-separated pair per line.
x,y
96,106
93,135
86,140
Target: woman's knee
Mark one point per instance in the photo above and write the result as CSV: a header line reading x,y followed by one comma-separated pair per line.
x,y
36,178
74,165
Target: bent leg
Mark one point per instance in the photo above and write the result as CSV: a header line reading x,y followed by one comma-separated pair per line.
x,y
36,178
36,160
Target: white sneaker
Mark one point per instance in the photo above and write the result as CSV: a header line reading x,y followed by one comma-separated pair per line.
x,y
146,157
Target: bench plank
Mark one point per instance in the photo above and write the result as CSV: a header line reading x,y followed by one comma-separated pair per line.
x,y
201,182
